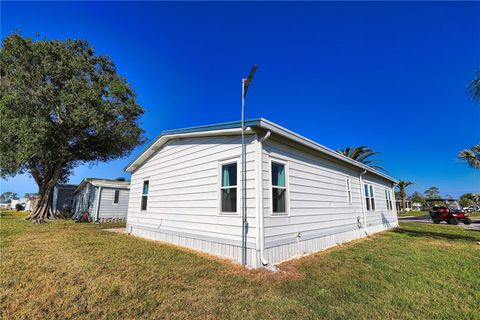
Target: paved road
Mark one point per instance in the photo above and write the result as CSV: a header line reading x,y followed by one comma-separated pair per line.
x,y
426,219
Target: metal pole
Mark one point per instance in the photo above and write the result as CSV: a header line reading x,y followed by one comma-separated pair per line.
x,y
244,182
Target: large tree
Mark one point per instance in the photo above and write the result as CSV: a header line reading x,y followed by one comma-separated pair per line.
x,y
362,154
432,193
402,189
61,105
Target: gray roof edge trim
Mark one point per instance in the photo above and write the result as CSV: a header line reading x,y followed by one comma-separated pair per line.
x,y
315,145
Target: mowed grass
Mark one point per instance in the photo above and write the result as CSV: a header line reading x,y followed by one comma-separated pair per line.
x,y
412,213
64,270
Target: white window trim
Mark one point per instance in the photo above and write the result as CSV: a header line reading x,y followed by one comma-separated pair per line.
x,y
388,197
113,201
349,190
287,187
148,194
221,163
371,196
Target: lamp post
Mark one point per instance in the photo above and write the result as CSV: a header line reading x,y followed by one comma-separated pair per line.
x,y
245,84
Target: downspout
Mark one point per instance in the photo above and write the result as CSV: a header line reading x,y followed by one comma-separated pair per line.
x,y
362,198
259,179
98,203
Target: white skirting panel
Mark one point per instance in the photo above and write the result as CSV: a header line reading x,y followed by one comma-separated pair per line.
x,y
228,251
283,252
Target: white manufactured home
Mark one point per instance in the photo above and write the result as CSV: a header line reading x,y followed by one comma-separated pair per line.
x,y
301,197
102,199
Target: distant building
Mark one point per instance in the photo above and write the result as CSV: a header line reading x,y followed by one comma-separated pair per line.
x,y
408,205
22,201
103,199
5,205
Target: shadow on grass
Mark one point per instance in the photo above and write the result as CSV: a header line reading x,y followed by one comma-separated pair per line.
x,y
438,235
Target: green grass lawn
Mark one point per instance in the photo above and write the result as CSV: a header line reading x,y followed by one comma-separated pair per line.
x,y
412,213
63,270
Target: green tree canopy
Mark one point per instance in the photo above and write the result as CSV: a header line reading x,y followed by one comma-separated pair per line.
x,y
362,154
417,197
8,196
61,105
432,193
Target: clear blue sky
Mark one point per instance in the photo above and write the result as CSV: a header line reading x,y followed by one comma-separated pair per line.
x,y
388,75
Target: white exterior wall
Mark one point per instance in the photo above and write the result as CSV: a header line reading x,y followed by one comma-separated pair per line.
x,y
319,213
183,200
110,210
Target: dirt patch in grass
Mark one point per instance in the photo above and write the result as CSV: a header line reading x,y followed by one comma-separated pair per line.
x,y
63,270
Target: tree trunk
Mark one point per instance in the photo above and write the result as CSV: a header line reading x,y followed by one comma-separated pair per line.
x,y
403,196
42,211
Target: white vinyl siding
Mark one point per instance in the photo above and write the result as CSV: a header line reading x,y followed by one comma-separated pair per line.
x,y
108,208
184,188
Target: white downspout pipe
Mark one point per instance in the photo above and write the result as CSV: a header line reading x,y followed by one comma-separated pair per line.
x,y
98,203
259,179
362,198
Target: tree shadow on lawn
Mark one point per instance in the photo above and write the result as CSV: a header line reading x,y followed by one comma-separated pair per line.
x,y
439,235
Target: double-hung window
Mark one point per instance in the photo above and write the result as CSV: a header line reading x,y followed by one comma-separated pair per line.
x,y
388,199
145,194
116,196
279,188
228,187
349,192
369,197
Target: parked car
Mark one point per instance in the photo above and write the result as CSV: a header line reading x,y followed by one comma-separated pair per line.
x,y
448,210
473,208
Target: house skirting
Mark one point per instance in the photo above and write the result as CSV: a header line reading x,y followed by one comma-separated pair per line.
x,y
275,252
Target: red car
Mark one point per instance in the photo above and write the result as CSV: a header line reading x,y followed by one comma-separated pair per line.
x,y
448,210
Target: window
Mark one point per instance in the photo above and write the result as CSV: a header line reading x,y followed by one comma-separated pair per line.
x,y
388,199
349,192
369,197
279,188
228,187
116,196
145,195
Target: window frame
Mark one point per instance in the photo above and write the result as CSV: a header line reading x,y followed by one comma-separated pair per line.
x,y
287,187
144,194
388,199
349,190
116,191
221,163
371,196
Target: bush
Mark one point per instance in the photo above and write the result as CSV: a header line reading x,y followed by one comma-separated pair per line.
x,y
19,207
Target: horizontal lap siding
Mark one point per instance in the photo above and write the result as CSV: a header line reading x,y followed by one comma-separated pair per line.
x,y
108,209
381,216
317,193
183,188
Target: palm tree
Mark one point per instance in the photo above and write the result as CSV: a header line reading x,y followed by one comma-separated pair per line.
x,y
471,156
362,154
402,186
474,87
